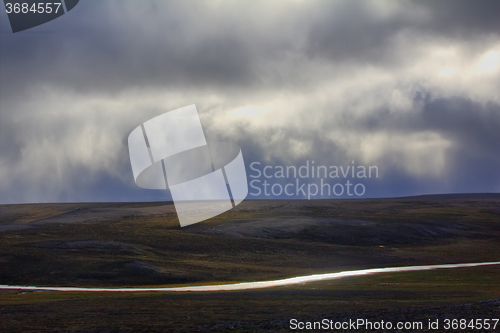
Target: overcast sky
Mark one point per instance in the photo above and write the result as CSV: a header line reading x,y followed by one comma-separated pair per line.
x,y
412,87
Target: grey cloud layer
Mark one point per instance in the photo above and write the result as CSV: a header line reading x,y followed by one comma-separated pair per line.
x,y
392,83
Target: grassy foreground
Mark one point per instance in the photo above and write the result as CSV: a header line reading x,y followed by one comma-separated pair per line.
x,y
141,244
416,296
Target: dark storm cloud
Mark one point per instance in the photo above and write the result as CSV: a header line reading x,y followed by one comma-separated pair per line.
x,y
462,120
472,161
105,49
330,81
353,32
113,45
463,17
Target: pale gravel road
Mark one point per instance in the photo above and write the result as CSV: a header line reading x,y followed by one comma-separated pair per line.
x,y
260,284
